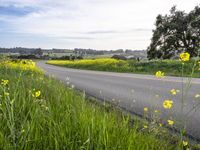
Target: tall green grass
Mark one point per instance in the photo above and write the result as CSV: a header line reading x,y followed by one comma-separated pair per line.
x,y
170,67
62,119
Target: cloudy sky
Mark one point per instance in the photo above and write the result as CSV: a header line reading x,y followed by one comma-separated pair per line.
x,y
98,24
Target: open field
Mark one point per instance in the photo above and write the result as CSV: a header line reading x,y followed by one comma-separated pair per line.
x,y
169,67
40,113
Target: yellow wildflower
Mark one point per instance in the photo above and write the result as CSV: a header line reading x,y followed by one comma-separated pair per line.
x,y
185,56
167,104
160,124
174,91
4,82
159,74
185,143
145,109
170,122
36,94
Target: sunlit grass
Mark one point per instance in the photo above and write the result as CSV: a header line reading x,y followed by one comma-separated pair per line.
x,y
170,67
103,64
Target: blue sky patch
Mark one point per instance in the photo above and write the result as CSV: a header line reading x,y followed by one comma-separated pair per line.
x,y
15,11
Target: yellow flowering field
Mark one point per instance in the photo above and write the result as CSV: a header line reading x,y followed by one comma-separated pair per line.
x,y
168,67
20,64
103,64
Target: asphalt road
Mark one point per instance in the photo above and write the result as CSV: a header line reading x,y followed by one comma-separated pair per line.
x,y
133,92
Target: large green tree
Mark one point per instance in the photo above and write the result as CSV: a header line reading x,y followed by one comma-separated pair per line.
x,y
174,33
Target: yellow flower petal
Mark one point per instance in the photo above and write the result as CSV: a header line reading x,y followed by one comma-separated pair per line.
x,y
36,94
167,104
159,74
145,109
185,56
173,91
170,122
185,143
4,82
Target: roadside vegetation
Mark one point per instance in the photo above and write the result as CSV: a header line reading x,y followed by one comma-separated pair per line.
x,y
184,67
170,67
38,112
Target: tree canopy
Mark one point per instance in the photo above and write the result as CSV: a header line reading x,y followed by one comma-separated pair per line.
x,y
175,33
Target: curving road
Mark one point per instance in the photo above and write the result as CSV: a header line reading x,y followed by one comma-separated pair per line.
x,y
133,92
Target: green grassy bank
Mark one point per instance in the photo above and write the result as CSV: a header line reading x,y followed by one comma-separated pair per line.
x,y
170,67
37,112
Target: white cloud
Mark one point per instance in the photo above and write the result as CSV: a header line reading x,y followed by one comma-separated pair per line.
x,y
100,24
